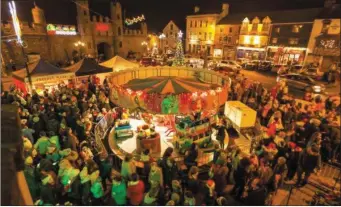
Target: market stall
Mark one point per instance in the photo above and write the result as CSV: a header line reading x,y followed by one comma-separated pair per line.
x,y
86,67
118,63
43,75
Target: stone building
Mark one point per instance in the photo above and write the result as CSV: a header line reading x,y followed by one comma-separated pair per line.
x,y
171,36
99,36
201,29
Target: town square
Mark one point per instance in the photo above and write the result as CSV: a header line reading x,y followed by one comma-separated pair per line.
x,y
169,102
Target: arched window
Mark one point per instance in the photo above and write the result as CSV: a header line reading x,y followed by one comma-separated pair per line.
x,y
119,31
121,45
255,23
245,25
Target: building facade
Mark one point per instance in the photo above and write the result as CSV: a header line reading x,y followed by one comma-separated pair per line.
x,y
100,36
201,30
169,40
225,41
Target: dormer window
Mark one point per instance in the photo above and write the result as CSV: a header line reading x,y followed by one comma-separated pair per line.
x,y
245,25
266,24
255,23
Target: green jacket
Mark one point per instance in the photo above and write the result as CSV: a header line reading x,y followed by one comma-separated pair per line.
x,y
56,139
41,145
97,189
119,193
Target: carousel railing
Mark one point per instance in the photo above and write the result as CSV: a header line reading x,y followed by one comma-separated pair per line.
x,y
101,132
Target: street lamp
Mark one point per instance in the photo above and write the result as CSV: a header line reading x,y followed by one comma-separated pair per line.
x,y
79,44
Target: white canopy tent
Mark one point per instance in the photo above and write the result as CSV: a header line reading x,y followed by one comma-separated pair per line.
x,y
118,63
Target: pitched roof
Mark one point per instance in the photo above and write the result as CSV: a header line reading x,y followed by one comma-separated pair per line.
x,y
39,68
286,16
87,67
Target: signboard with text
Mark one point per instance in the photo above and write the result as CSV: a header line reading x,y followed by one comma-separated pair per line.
x,y
53,29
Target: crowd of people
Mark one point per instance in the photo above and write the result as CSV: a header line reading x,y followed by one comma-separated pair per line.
x,y
62,165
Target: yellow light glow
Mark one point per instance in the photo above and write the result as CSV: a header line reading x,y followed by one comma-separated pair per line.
x,y
246,20
15,20
293,48
256,40
247,39
209,42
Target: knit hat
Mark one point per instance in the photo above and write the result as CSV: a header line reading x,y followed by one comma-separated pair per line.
x,y
36,119
29,160
292,145
210,183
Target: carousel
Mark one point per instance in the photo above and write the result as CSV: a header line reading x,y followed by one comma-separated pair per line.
x,y
167,110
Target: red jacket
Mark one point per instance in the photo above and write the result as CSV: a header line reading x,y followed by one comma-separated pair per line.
x,y
135,193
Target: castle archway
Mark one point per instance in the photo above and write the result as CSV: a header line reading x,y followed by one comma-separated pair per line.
x,y
104,51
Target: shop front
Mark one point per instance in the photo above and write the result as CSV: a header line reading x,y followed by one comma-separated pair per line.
x,y
286,55
251,53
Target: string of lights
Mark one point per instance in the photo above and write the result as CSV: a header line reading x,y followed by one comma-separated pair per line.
x,y
16,25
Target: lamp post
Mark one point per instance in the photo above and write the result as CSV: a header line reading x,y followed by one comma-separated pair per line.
x,y
161,37
17,30
79,44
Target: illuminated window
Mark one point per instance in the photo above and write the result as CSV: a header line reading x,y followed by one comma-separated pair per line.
x,y
200,23
256,40
295,29
247,39
195,24
274,40
230,29
191,24
277,29
205,37
293,41
210,36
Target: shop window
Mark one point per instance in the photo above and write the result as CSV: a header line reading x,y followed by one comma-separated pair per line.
x,y
230,29
277,30
293,41
274,40
121,45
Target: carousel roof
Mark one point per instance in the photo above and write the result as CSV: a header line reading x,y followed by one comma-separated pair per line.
x,y
168,85
118,63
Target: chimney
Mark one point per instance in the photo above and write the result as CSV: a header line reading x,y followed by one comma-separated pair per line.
x,y
225,9
329,3
196,9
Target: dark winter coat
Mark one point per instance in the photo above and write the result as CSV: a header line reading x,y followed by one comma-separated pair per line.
x,y
256,197
308,160
220,182
53,125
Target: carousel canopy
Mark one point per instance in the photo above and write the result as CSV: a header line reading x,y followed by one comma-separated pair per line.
x,y
87,67
168,85
118,63
38,68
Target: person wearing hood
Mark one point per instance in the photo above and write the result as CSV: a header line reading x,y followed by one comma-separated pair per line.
x,y
53,124
104,169
308,160
128,167
119,191
27,132
42,143
193,182
135,190
37,126
256,193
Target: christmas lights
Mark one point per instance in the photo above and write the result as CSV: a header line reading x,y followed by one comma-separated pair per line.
x,y
134,20
179,53
15,20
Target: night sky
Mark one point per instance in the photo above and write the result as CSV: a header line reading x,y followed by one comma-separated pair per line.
x,y
157,12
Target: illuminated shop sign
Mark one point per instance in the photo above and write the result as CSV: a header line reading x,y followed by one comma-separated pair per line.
x,y
61,29
102,27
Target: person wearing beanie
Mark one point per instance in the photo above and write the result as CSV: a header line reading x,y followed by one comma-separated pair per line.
x,y
308,160
29,172
209,191
27,132
119,191
53,152
135,190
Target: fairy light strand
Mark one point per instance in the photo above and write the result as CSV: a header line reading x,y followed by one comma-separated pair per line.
x,y
15,20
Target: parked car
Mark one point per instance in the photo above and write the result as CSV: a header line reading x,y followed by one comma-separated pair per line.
x,y
278,67
253,65
229,63
265,66
302,82
225,70
296,69
148,61
242,61
313,72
